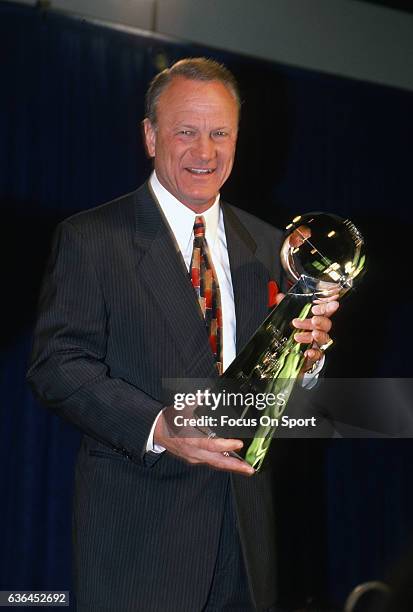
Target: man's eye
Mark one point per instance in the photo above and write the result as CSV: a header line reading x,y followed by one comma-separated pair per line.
x,y
186,132
220,133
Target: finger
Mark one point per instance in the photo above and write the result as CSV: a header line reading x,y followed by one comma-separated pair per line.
x,y
211,444
313,354
220,462
189,450
325,309
320,337
316,335
316,322
219,445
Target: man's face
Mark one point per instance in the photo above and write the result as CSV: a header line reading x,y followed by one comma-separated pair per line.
x,y
194,140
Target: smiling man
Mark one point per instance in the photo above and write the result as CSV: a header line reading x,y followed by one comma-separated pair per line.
x,y
167,282
193,138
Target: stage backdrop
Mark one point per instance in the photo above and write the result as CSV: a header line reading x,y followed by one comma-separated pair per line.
x,y
70,112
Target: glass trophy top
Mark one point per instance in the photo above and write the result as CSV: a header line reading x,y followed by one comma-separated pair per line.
x,y
325,248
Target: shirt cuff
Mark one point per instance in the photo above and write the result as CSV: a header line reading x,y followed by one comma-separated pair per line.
x,y
151,447
310,378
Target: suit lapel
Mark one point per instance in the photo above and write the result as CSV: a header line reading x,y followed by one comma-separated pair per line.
x,y
249,277
161,267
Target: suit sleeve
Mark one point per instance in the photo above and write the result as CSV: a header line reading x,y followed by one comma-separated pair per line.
x,y
68,371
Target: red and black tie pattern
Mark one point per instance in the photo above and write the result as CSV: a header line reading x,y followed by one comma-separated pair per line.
x,y
205,283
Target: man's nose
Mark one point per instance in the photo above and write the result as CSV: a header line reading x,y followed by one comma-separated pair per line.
x,y
204,148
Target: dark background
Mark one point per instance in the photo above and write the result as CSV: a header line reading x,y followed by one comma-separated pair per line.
x,y
70,107
402,5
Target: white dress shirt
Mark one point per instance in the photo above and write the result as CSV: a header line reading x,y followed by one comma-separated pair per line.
x,y
181,221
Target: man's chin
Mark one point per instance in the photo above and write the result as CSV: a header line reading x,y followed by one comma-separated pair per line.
x,y
198,201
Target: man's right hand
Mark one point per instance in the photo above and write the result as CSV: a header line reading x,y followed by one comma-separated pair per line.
x,y
198,449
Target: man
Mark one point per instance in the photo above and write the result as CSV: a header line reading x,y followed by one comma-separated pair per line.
x,y
163,523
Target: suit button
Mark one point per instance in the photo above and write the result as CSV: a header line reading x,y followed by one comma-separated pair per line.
x,y
125,453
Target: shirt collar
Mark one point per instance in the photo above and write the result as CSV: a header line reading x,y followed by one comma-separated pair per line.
x,y
181,218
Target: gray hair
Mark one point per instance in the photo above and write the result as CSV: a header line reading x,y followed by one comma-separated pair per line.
x,y
195,69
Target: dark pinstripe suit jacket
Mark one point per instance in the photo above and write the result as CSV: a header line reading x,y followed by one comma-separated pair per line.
x,y
117,315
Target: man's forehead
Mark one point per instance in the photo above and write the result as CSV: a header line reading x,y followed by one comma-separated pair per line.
x,y
199,114
184,97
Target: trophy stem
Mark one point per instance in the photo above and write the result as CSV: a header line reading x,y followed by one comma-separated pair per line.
x,y
281,386
271,362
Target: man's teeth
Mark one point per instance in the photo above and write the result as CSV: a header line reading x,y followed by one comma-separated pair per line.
x,y
200,170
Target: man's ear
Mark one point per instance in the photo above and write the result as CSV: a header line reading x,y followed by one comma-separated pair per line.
x,y
149,134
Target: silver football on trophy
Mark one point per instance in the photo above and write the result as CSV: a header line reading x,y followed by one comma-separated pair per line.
x,y
325,248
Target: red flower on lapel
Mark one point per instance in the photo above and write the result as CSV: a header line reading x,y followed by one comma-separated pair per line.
x,y
272,293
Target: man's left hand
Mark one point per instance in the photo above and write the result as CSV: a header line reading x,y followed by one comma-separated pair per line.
x,y
315,330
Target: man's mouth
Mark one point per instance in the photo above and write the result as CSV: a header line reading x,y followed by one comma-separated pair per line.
x,y
200,171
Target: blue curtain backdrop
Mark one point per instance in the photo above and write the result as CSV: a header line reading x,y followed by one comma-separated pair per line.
x,y
70,112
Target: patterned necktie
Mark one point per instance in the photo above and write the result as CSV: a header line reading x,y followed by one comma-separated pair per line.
x,y
205,283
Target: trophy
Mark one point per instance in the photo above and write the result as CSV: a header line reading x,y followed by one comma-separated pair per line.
x,y
322,255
